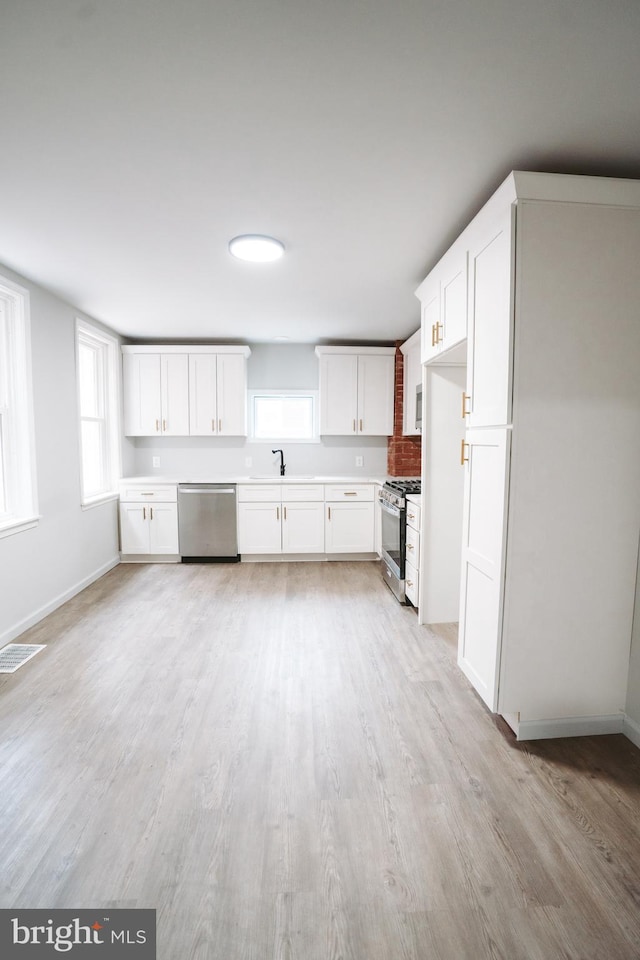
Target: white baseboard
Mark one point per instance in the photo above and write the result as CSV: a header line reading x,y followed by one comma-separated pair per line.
x,y
631,730
48,608
569,727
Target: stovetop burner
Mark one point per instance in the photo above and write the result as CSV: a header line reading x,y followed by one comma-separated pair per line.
x,y
404,487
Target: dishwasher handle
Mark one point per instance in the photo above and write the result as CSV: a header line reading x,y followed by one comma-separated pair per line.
x,y
201,490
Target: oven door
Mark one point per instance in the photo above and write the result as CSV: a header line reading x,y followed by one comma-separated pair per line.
x,y
393,529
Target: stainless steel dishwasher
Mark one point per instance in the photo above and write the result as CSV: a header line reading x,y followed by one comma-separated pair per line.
x,y
207,526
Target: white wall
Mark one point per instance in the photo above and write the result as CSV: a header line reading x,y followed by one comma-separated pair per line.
x,y
41,567
270,367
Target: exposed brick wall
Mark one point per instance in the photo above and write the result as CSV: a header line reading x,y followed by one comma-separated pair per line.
x,y
403,453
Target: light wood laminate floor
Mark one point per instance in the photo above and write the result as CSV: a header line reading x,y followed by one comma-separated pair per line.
x,y
287,767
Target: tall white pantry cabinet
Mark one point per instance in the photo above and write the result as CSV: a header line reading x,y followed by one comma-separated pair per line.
x,y
550,508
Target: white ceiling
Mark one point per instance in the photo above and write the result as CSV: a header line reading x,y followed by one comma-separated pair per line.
x,y
139,136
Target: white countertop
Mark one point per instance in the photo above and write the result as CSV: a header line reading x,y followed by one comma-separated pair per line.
x,y
262,478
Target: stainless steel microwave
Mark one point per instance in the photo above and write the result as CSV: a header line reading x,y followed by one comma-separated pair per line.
x,y
419,407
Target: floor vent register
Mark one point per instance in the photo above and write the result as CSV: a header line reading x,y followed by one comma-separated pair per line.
x,y
15,654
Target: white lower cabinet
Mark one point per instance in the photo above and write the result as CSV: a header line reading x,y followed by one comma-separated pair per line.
x,y
486,453
349,518
302,527
280,518
306,518
412,574
259,527
149,520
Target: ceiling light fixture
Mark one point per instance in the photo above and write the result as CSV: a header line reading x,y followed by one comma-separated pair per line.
x,y
256,248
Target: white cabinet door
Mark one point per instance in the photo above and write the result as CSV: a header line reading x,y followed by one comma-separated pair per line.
x,y
411,379
174,381
134,528
430,299
203,408
156,394
376,395
444,305
142,394
259,528
490,325
349,527
302,527
339,394
482,580
453,300
163,528
232,395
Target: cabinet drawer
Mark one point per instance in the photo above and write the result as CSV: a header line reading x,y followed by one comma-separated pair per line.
x,y
413,516
259,492
353,491
302,492
149,493
411,583
413,547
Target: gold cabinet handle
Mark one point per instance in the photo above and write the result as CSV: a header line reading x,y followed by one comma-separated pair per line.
x,y
465,412
360,426
219,426
284,510
213,426
409,546
144,513
277,513
157,425
150,513
438,337
354,426
350,493
329,513
164,426
463,459
409,583
411,516
433,335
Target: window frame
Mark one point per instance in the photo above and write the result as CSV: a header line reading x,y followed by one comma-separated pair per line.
x,y
19,504
107,349
254,393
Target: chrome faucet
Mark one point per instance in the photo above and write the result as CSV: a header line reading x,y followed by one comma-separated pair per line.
x,y
282,463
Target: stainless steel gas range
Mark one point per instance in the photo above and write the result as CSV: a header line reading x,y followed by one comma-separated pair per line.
x,y
393,505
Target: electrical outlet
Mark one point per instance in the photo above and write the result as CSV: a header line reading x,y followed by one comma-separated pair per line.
x,y
156,461
248,461
359,461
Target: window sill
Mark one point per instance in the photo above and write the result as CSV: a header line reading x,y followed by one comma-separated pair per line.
x,y
92,502
17,525
284,442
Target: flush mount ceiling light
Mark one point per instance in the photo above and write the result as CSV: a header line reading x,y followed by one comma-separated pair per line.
x,y
255,248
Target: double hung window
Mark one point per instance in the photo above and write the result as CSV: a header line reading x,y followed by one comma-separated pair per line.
x,y
18,501
97,376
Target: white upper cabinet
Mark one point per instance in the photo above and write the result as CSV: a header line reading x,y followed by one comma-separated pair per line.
x,y
217,394
156,394
185,390
490,324
411,380
444,305
356,390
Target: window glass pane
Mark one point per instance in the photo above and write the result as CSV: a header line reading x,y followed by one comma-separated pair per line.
x,y
89,380
3,502
92,458
283,418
